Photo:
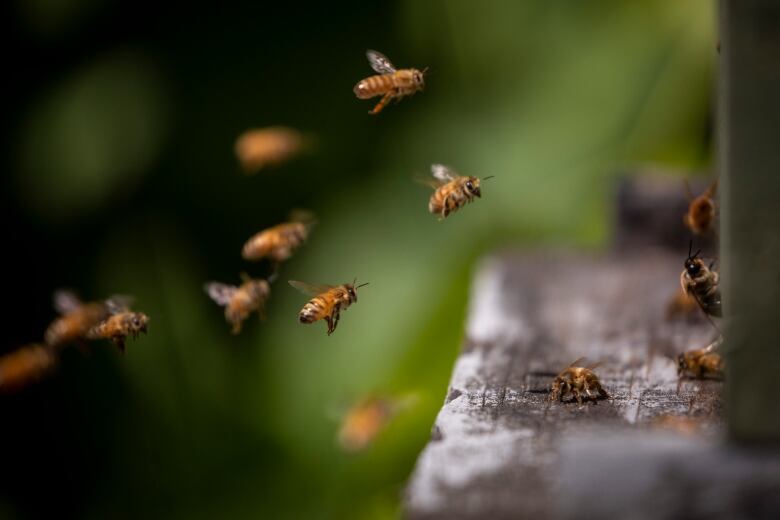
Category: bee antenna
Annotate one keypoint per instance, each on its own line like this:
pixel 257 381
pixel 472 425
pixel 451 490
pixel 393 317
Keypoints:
pixel 362 284
pixel 488 177
pixel 690 248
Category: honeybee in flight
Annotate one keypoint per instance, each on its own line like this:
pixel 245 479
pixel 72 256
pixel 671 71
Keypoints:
pixel 452 191
pixel 278 243
pixel 700 218
pixel 261 147
pixel 363 422
pixel 702 363
pixel 389 83
pixel 120 324
pixel 76 319
pixel 240 301
pixel 328 302
pixel 25 365
pixel 577 381
pixel 701 281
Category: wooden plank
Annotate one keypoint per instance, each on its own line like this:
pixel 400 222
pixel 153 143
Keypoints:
pixel 496 442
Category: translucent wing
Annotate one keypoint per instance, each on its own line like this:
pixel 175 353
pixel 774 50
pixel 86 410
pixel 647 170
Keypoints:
pixel 427 181
pixel 65 301
pixel 220 292
pixel 310 289
pixel 443 173
pixel 117 303
pixel 379 62
pixel 594 365
pixel 577 361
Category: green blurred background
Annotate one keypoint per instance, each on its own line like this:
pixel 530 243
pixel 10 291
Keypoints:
pixel 119 177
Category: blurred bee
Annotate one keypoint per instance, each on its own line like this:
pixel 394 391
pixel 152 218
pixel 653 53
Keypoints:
pixel 240 301
pixel 681 305
pixel 328 302
pixel 25 365
pixel 701 282
pixel 278 243
pixel 122 323
pixel 262 147
pixel 702 363
pixel 389 83
pixel 577 381
pixel 453 191
pixel 76 320
pixel 700 218
pixel 363 422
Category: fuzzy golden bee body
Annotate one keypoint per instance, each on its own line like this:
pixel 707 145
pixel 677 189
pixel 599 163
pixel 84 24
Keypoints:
pixel 700 281
pixel 327 303
pixel 702 363
pixel 452 191
pixel 389 83
pixel 700 218
pixel 577 381
pixel 119 326
pixel 266 147
pixel 277 243
pixel 241 301
pixel 25 365
pixel 75 321
pixel 363 423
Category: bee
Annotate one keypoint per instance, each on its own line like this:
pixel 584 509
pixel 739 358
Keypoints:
pixel 262 147
pixel 278 243
pixel 328 302
pixel 26 365
pixel 120 324
pixel 701 282
pixel 363 422
pixel 452 191
pixel 389 83
pixel 240 301
pixel 577 381
pixel 700 218
pixel 76 319
pixel 702 363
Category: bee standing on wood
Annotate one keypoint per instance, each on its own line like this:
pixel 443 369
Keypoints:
pixel 701 281
pixel 120 324
pixel 240 301
pixel 577 381
pixel 25 365
pixel 700 218
pixel 328 302
pixel 262 147
pixel 702 363
pixel 453 191
pixel 76 320
pixel 389 83
pixel 278 243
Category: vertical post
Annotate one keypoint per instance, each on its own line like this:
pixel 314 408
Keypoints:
pixel 749 156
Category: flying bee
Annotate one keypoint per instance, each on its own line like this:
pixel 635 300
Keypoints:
pixel 577 381
pixel 25 365
pixel 240 301
pixel 120 324
pixel 363 422
pixel 263 147
pixel 328 302
pixel 389 83
pixel 700 281
pixel 76 319
pixel 702 363
pixel 700 218
pixel 452 191
pixel 278 243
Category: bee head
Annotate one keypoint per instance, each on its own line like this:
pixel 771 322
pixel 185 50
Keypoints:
pixel 693 264
pixel 472 186
pixel 352 289
pixel 419 78
pixel 138 322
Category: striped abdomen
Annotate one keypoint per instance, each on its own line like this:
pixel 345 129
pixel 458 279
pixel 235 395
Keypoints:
pixel 317 308
pixel 400 81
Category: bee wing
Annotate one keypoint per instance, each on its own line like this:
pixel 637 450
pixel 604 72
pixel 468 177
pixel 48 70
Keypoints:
pixel 577 361
pixel 65 301
pixel 714 345
pixel 117 303
pixel 379 62
pixel 594 365
pixel 220 292
pixel 427 181
pixel 310 289
pixel 443 173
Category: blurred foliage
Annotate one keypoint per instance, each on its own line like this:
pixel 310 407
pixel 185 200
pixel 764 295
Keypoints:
pixel 554 99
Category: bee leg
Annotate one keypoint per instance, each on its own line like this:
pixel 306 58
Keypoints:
pixel 331 327
pixel 384 101
pixel 120 344
pixel 577 395
pixel 236 327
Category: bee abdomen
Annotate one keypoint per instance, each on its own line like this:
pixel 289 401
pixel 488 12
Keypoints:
pixel 312 311
pixel 373 86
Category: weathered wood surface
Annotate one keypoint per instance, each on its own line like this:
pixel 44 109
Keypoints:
pixel 496 444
